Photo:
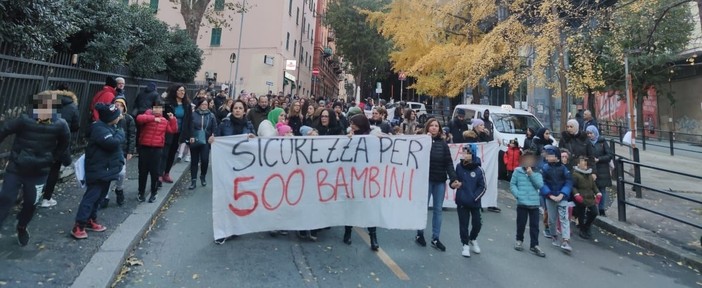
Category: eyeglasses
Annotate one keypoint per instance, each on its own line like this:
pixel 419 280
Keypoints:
pixel 324 116
pixel 181 90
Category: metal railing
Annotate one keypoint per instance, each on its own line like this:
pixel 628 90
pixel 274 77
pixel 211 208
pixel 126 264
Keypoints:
pixel 644 136
pixel 20 78
pixel 638 187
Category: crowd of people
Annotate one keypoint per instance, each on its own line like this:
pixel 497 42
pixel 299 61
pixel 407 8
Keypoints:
pixel 163 129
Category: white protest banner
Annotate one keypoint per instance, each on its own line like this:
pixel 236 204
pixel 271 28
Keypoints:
pixel 488 153
pixel 304 183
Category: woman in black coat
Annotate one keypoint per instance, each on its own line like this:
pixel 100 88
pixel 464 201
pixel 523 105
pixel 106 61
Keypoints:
pixel 578 144
pixel 203 124
pixel 530 134
pixel 603 155
pixel 327 123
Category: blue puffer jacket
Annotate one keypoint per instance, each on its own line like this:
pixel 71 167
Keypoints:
pixel 557 180
pixel 231 125
pixel 526 188
pixel 104 156
pixel 473 185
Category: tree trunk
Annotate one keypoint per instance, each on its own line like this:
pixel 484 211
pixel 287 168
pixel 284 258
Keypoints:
pixel 476 95
pixel 590 105
pixel 699 11
pixel 563 83
pixel 193 11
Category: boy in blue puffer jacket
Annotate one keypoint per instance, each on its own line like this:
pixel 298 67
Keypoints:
pixel 468 194
pixel 525 185
pixel 558 184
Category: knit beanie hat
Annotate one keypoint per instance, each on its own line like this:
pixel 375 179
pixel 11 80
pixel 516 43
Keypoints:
pixel 476 122
pixel 107 112
pixel 109 81
pixel 283 129
pixel 305 130
pixel 353 111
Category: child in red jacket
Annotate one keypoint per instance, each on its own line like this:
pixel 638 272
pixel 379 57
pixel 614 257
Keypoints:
pixel 511 157
pixel 152 137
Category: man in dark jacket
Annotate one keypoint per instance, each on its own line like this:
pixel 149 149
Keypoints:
pixel 343 121
pixel 145 100
pixel 221 98
pixel 488 123
pixel 103 163
pixel 588 120
pixel 457 126
pixel 40 140
pixel 259 113
pixel 69 113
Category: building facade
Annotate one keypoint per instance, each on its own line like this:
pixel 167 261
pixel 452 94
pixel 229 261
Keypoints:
pixel 326 65
pixel 273 32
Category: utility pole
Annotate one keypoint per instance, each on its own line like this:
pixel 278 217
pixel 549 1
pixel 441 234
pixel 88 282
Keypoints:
pixel 238 49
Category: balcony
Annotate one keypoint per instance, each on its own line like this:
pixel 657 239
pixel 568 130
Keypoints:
pixel 327 52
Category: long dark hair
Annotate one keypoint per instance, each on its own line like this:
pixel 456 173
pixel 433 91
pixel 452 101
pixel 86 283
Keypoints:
pixel 362 123
pixel 332 118
pixel 173 94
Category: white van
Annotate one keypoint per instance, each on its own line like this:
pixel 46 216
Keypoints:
pixel 509 123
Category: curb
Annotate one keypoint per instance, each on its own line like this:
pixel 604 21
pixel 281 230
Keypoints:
pixel 107 262
pixel 650 241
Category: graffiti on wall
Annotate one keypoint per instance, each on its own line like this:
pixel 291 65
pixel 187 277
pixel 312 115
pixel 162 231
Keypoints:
pixel 611 106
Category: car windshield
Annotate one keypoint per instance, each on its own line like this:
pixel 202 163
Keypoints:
pixel 514 123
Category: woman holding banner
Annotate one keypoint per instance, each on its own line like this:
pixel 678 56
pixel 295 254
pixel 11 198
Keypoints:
pixel 440 165
pixel 361 126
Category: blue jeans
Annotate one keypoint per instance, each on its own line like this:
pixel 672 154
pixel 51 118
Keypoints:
pixel 602 206
pixel 8 195
pixel 437 192
pixel 95 192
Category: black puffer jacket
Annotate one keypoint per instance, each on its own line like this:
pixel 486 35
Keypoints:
pixel 103 156
pixel 128 125
pixel 69 109
pixel 144 101
pixel 37 145
pixel 440 162
pixel 578 145
pixel 603 154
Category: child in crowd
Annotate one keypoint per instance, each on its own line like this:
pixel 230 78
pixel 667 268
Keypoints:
pixel 127 125
pixel 308 131
pixel 586 196
pixel 511 157
pixel 471 188
pixel 152 139
pixel 557 187
pixel 525 184
pixel 283 129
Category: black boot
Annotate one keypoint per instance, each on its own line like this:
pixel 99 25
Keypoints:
pixel 193 184
pixel 203 181
pixel 141 198
pixel 120 197
pixel 347 235
pixel 374 241
pixel 152 198
pixel 104 203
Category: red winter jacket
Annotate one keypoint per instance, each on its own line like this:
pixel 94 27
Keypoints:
pixel 106 95
pixel 511 158
pixel 153 134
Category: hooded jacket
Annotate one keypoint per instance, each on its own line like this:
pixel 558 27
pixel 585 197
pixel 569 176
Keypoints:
pixel 128 125
pixel 583 185
pixel 152 133
pixel 231 125
pixel 145 100
pixel 456 128
pixel 69 109
pixel 36 145
pixel 201 120
pixel 440 161
pixel 104 157
pixel 511 158
pixel 526 188
pixel 557 180
pixel 473 185
pixel 106 95
pixel 257 115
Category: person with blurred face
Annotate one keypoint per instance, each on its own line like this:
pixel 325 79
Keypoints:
pixel 260 112
pixel 40 139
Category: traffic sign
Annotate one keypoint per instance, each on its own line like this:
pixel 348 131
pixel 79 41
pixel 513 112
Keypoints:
pixel 315 71
pixel 232 58
pixel 291 65
pixel 402 76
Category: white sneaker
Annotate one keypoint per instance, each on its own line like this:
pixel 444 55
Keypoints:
pixel 466 251
pixel 186 158
pixel 474 246
pixel 48 203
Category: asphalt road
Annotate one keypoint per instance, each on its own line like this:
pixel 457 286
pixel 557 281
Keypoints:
pixel 179 252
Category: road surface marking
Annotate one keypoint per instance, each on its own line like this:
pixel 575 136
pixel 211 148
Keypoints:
pixel 384 257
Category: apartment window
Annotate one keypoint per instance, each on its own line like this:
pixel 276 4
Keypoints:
pixel 312 37
pixel 287 42
pixel 306 59
pixel 302 51
pixel 219 5
pixel 295 49
pixel 290 8
pixel 308 30
pixel 153 5
pixel 216 37
pixel 297 16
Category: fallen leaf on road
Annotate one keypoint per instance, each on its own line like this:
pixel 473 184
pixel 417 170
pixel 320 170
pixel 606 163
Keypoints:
pixel 42 246
pixel 195 276
pixel 3 283
pixel 133 261
pixel 649 253
pixel 377 279
pixel 699 283
pixel 639 253
pixel 679 263
pixel 372 274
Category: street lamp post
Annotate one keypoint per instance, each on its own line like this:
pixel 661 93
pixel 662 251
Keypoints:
pixel 630 110
pixel 238 49
pixel 232 59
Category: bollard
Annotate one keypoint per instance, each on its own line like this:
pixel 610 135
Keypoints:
pixel 637 173
pixel 621 133
pixel 621 200
pixel 670 138
pixel 643 138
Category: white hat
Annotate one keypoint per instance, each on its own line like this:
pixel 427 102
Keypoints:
pixel 225 87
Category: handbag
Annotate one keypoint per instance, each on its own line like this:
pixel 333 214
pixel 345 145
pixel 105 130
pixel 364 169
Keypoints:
pixel 199 135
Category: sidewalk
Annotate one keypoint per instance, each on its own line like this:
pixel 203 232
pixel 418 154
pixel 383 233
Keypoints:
pixel 54 259
pixel 657 233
